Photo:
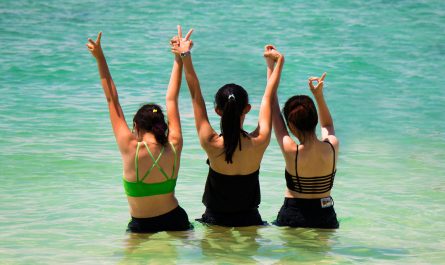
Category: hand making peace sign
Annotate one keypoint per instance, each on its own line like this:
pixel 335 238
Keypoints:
pixel 181 45
pixel 94 46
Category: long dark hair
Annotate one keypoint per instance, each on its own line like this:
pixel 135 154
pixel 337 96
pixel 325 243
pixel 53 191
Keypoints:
pixel 151 119
pixel 300 111
pixel 231 99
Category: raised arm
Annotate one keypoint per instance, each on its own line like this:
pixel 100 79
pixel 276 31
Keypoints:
pixel 205 130
pixel 171 100
pixel 326 122
pixel 280 129
pixel 265 116
pixel 120 128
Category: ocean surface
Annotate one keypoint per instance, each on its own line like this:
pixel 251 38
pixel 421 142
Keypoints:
pixel 61 196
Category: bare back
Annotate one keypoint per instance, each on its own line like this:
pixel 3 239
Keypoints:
pixel 245 161
pixel 314 159
pixel 155 205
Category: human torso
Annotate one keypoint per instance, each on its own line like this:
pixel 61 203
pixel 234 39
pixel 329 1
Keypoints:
pixel 313 178
pixel 155 195
pixel 233 187
pixel 245 161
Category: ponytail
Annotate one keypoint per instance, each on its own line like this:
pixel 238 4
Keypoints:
pixel 230 128
pixel 231 99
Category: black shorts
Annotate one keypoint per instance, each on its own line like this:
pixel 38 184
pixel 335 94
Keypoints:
pixel 314 213
pixel 175 220
pixel 246 218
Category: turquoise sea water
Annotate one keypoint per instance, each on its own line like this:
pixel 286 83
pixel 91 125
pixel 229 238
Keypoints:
pixel 61 199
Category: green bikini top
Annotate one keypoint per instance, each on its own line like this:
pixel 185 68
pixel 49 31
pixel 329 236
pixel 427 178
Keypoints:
pixel 142 189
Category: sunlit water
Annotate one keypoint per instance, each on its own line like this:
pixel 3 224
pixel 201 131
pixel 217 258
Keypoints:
pixel 61 199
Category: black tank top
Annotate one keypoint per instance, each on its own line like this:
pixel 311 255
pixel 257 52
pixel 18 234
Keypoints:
pixel 231 193
pixel 311 185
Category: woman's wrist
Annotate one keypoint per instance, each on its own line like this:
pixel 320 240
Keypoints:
pixel 185 54
pixel 319 96
pixel 178 58
pixel 100 56
pixel 187 57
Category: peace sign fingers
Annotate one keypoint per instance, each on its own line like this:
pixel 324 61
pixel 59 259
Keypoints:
pixel 94 46
pixel 183 45
pixel 179 32
pixel 187 37
pixel 99 35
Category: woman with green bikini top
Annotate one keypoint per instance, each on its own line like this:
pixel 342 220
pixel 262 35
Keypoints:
pixel 150 152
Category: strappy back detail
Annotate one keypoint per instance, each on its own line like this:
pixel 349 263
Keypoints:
pixel 311 185
pixel 155 163
pixel 140 188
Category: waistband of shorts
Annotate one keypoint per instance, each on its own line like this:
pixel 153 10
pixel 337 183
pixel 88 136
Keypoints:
pixel 312 203
pixel 245 212
pixel 154 218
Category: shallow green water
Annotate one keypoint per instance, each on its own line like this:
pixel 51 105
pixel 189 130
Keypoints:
pixel 61 199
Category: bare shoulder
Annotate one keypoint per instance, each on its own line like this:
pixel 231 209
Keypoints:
pixel 259 140
pixel 214 141
pixel 333 140
pixel 289 145
pixel 130 151
pixel 177 143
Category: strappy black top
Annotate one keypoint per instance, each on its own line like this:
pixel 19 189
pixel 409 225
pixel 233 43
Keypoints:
pixel 311 185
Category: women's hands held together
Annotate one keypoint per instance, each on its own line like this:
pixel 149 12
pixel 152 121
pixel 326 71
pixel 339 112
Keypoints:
pixel 271 54
pixel 180 45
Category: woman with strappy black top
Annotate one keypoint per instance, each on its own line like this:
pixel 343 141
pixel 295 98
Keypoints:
pixel 232 191
pixel 310 165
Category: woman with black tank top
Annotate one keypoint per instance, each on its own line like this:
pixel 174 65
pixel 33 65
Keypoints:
pixel 310 165
pixel 232 190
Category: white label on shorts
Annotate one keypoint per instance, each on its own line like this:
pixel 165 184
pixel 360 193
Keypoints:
pixel 326 202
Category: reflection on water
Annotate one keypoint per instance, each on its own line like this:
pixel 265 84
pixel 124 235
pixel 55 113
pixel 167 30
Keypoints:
pixel 303 245
pixel 155 248
pixel 233 245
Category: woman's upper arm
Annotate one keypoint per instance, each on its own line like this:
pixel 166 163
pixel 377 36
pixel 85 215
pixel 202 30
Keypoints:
pixel 174 124
pixel 121 131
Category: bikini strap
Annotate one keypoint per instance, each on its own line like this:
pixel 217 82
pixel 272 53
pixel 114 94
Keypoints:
pixel 136 163
pixel 296 169
pixel 155 162
pixel 175 161
pixel 333 150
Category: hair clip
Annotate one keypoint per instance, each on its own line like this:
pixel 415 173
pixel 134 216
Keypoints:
pixel 155 110
pixel 231 96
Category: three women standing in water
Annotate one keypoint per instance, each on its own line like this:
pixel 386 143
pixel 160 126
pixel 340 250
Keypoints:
pixel 232 191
